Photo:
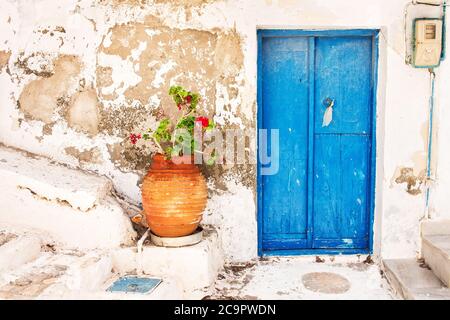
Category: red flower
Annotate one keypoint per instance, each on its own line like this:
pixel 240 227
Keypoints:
pixel 203 120
pixel 135 137
pixel 179 106
pixel 188 99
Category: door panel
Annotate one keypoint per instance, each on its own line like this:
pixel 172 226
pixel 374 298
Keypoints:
pixel 340 191
pixel 297 74
pixel 343 72
pixel 285 102
pixel 341 160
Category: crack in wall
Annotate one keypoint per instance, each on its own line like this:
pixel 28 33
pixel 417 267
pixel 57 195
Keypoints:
pixel 56 200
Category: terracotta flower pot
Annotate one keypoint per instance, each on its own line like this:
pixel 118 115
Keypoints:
pixel 174 197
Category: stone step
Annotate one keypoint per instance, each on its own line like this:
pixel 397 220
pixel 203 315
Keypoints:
pixel 105 226
pixel 53 274
pixel 52 181
pixel 70 206
pixel 166 290
pixel 433 227
pixel 16 251
pixel 436 247
pixel 195 268
pixel 412 280
pixel 71 274
pixel 436 253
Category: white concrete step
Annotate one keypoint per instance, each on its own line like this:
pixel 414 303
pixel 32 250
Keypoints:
pixel 31 271
pixel 71 274
pixel 167 290
pixel 70 206
pixel 52 181
pixel 17 250
pixel 436 247
pixel 436 253
pixel 53 274
pixel 433 227
pixel 412 280
pixel 194 267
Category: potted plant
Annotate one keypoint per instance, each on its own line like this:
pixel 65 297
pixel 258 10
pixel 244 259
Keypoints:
pixel 174 190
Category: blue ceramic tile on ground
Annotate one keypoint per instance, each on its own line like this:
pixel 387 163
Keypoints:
pixel 134 284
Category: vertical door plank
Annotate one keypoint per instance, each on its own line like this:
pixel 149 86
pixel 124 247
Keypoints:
pixel 285 107
pixel 355 168
pixel 343 72
pixel 327 187
pixel 310 201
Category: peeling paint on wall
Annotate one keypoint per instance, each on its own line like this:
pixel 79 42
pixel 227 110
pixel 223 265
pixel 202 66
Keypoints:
pixel 91 155
pixel 184 3
pixel 39 98
pixel 137 62
pixel 4 58
pixel 150 57
pixel 413 182
pixel 83 112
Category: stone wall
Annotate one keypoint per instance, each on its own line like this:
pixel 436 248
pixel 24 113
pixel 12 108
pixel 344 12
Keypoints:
pixel 78 76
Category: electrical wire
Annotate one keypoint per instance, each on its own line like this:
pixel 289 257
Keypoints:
pixel 430 143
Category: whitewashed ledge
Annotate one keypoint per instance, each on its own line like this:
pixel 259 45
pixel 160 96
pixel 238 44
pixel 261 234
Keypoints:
pixel 70 206
pixel 195 268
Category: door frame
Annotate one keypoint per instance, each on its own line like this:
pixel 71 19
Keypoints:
pixel 266 33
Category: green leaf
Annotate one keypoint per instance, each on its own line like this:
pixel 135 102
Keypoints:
pixel 187 123
pixel 179 95
pixel 162 133
pixel 168 152
pixel 195 100
pixel 211 160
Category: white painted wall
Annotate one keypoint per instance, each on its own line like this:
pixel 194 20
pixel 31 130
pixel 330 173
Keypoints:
pixel 402 100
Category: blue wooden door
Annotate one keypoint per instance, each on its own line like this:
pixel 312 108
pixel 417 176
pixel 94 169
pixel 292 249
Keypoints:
pixel 320 200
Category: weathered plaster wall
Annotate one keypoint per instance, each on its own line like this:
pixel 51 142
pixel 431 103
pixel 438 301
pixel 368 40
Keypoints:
pixel 77 76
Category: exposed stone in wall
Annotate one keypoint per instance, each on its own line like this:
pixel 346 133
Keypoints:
pixel 84 156
pixel 145 59
pixel 185 3
pixel 245 172
pixel 104 80
pixel 4 58
pixel 190 3
pixel 137 63
pixel 413 182
pixel 128 157
pixel 38 63
pixel 229 57
pixel 115 152
pixel 414 176
pixel 39 98
pixel 83 112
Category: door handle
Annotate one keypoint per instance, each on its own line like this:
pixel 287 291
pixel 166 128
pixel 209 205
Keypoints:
pixel 328 114
pixel 328 102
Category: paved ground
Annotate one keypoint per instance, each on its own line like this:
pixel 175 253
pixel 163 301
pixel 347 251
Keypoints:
pixel 303 278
